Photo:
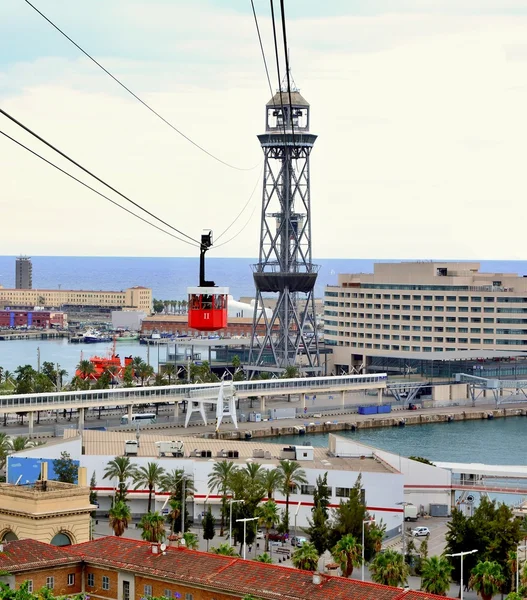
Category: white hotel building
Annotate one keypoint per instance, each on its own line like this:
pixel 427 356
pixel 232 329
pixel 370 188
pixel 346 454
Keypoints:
pixel 424 310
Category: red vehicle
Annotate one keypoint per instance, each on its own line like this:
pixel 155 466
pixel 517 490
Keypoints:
pixel 207 304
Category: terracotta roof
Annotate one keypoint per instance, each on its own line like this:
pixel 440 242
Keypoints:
pixel 24 555
pixel 232 575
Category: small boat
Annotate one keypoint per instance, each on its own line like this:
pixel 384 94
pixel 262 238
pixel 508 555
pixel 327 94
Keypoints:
pixel 93 337
pixel 129 337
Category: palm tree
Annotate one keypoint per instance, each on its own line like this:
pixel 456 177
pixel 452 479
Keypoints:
pixel 219 479
pixel 268 515
pixel 292 475
pixel 435 575
pixel 148 477
pixel 376 535
pixel 173 515
pixel 122 469
pixel 171 482
pixel 272 480
pixel 225 549
pixel 254 471
pixel 145 372
pixel 20 443
pixel 170 371
pixel 153 526
pixel 191 540
pixel 305 557
pixel 120 517
pixel 264 558
pixel 389 568
pixel 348 553
pixel 86 369
pixel 486 578
pixel 5 448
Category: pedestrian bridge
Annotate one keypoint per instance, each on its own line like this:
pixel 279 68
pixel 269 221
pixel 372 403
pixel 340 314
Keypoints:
pixel 175 394
pixel 496 479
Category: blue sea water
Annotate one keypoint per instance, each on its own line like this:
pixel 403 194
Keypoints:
pixel 169 277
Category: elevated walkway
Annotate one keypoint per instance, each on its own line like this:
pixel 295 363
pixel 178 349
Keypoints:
pixel 175 394
pixel 482 478
pixel 507 391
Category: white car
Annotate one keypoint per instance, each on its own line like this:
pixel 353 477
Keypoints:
pixel 421 532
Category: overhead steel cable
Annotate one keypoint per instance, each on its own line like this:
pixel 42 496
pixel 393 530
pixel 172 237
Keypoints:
pixel 71 160
pixel 241 211
pixel 237 234
pixel 278 70
pixel 152 110
pixel 96 191
pixel 262 48
pixel 286 54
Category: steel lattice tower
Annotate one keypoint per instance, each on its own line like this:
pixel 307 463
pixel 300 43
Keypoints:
pixel 288 337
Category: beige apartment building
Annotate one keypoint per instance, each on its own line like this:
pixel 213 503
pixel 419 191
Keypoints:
pixel 137 298
pixel 424 307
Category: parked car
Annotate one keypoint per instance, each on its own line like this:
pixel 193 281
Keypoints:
pixel 277 537
pixel 298 541
pixel 421 532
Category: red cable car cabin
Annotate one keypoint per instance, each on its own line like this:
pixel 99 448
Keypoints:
pixel 207 308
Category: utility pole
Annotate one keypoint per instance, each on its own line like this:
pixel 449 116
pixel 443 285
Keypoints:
pixel 183 502
pixel 38 359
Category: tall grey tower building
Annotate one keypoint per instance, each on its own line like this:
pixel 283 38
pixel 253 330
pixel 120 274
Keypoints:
pixel 285 270
pixel 23 273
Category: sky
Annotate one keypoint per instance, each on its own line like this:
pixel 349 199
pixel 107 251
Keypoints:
pixel 419 108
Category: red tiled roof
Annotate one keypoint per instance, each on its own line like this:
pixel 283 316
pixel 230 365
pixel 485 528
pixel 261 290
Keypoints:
pixel 23 555
pixel 232 575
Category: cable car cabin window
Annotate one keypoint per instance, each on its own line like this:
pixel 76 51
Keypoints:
pixel 219 302
pixel 194 302
pixel 206 302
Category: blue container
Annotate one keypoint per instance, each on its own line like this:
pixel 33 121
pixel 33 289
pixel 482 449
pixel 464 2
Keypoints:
pixel 367 410
pixel 384 408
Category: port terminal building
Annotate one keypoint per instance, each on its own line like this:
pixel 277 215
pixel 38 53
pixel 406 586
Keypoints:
pixel 387 479
pixel 428 318
pixel 137 298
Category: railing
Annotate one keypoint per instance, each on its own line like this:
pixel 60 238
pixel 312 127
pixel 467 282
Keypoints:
pixel 175 393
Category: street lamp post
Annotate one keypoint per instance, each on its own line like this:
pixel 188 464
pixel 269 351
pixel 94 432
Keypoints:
pixel 462 554
pixel 404 504
pixel 518 565
pixel 231 501
pixel 244 521
pixel 364 523
pixel 296 514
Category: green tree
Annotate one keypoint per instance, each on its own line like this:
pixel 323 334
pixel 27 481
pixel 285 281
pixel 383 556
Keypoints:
pixel 225 549
pixel 318 524
pixel 264 558
pixel 220 479
pixel 423 549
pixel 104 381
pixel 153 527
pixel 172 482
pixel 42 384
pixel 25 378
pixel 5 448
pixel 148 477
pixel 158 305
pixel 436 572
pixel 268 516
pixel 348 553
pixel 209 530
pixel 305 557
pixel 120 517
pixel 292 476
pixel 272 480
pixel 145 372
pixel 388 568
pixel 122 469
pixel 191 540
pixel 420 459
pixel 128 376
pixel 86 369
pixel 21 442
pixel 492 530
pixel 290 372
pixel 487 579
pixel 93 492
pixel 65 469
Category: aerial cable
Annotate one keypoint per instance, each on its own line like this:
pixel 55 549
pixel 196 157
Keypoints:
pixel 286 53
pixel 3 112
pixel 262 49
pixel 136 96
pixel 237 234
pixel 242 210
pixel 94 190
pixel 278 70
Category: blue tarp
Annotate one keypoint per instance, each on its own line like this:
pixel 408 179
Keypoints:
pixel 29 469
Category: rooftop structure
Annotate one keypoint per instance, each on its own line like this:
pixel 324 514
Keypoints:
pixel 424 311
pixel 111 565
pixel 47 511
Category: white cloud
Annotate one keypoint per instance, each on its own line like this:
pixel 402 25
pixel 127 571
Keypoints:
pixel 420 121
